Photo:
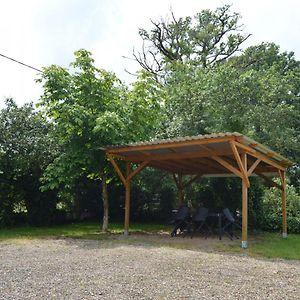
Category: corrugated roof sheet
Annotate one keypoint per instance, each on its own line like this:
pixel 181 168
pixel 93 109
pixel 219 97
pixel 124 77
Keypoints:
pixel 245 140
pixel 173 140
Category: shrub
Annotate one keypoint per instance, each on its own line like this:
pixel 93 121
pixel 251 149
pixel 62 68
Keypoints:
pixel 272 210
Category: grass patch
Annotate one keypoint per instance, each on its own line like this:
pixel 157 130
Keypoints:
pixel 77 230
pixel 270 245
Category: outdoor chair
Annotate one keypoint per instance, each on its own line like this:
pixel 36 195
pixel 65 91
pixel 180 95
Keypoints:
pixel 181 221
pixel 200 222
pixel 230 224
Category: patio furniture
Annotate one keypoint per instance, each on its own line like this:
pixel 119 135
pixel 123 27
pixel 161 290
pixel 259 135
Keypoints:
pixel 216 219
pixel 181 221
pixel 200 222
pixel 230 224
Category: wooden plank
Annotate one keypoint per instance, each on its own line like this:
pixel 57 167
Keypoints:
pixel 281 176
pixel 117 169
pixel 223 162
pixel 283 204
pixel 244 147
pixel 178 156
pixel 177 166
pixel 257 154
pixel 114 155
pixel 244 206
pixel 207 162
pixel 253 167
pixel 137 170
pixel 243 168
pixel 173 144
pixel 157 165
pixel 228 166
pixel 194 166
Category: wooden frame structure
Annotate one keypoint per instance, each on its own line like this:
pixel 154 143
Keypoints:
pixel 214 155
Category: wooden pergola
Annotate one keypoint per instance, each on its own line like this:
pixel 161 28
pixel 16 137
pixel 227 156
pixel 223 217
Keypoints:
pixel 213 155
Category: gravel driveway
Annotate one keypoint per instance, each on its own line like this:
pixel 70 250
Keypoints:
pixel 87 269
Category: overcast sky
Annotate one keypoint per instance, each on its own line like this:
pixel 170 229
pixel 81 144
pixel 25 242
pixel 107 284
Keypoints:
pixel 45 32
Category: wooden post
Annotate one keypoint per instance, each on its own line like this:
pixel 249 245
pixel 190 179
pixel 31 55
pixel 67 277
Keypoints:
pixel 127 200
pixel 244 206
pixel 283 204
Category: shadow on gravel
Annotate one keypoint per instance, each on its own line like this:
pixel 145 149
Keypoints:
pixel 154 240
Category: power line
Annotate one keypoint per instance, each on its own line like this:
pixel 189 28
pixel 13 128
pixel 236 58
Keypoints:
pixel 14 60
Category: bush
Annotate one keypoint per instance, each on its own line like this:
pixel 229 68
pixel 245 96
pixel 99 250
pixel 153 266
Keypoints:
pixel 272 210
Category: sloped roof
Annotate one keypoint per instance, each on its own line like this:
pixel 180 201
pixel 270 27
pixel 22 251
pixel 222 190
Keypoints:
pixel 197 154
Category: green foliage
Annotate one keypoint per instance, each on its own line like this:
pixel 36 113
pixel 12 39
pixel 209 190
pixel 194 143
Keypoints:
pixel 205 40
pixel 90 108
pixel 26 148
pixel 272 209
pixel 85 230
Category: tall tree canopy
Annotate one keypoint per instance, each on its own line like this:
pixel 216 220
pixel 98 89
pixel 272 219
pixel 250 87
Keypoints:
pixel 207 39
pixel 90 108
pixel 26 148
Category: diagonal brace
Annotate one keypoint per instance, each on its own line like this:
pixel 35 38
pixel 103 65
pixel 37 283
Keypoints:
pixel 240 163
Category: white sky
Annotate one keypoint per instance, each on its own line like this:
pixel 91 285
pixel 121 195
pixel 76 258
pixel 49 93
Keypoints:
pixel 45 32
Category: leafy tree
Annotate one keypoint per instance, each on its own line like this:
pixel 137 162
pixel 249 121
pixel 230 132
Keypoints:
pixel 26 148
pixel 90 108
pixel 205 40
pixel 261 102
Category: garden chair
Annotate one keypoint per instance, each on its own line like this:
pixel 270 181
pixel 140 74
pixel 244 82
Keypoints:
pixel 181 221
pixel 230 224
pixel 200 222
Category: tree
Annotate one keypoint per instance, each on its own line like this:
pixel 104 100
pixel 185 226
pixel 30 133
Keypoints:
pixel 258 100
pixel 90 108
pixel 26 148
pixel 205 40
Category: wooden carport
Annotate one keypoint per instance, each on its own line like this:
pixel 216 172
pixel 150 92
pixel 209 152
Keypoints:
pixel 213 155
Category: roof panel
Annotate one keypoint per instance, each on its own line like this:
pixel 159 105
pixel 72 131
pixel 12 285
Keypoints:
pixel 193 148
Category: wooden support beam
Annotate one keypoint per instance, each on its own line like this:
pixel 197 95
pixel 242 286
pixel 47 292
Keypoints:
pixel 254 165
pixel 137 170
pixel 227 165
pixel 243 168
pixel 174 145
pixel 127 200
pixel 210 164
pixel 244 206
pixel 178 155
pixel 257 154
pixel 223 162
pixel 117 169
pixel 283 203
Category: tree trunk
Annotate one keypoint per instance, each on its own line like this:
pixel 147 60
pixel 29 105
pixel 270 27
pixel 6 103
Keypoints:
pixel 105 203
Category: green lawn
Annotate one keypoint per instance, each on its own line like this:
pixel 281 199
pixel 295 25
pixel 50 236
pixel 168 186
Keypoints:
pixel 77 230
pixel 270 245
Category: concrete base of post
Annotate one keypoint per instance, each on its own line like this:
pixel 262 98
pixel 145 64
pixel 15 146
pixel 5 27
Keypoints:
pixel 284 235
pixel 244 244
pixel 126 233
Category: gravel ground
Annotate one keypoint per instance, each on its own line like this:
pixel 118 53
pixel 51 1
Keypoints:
pixel 87 269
